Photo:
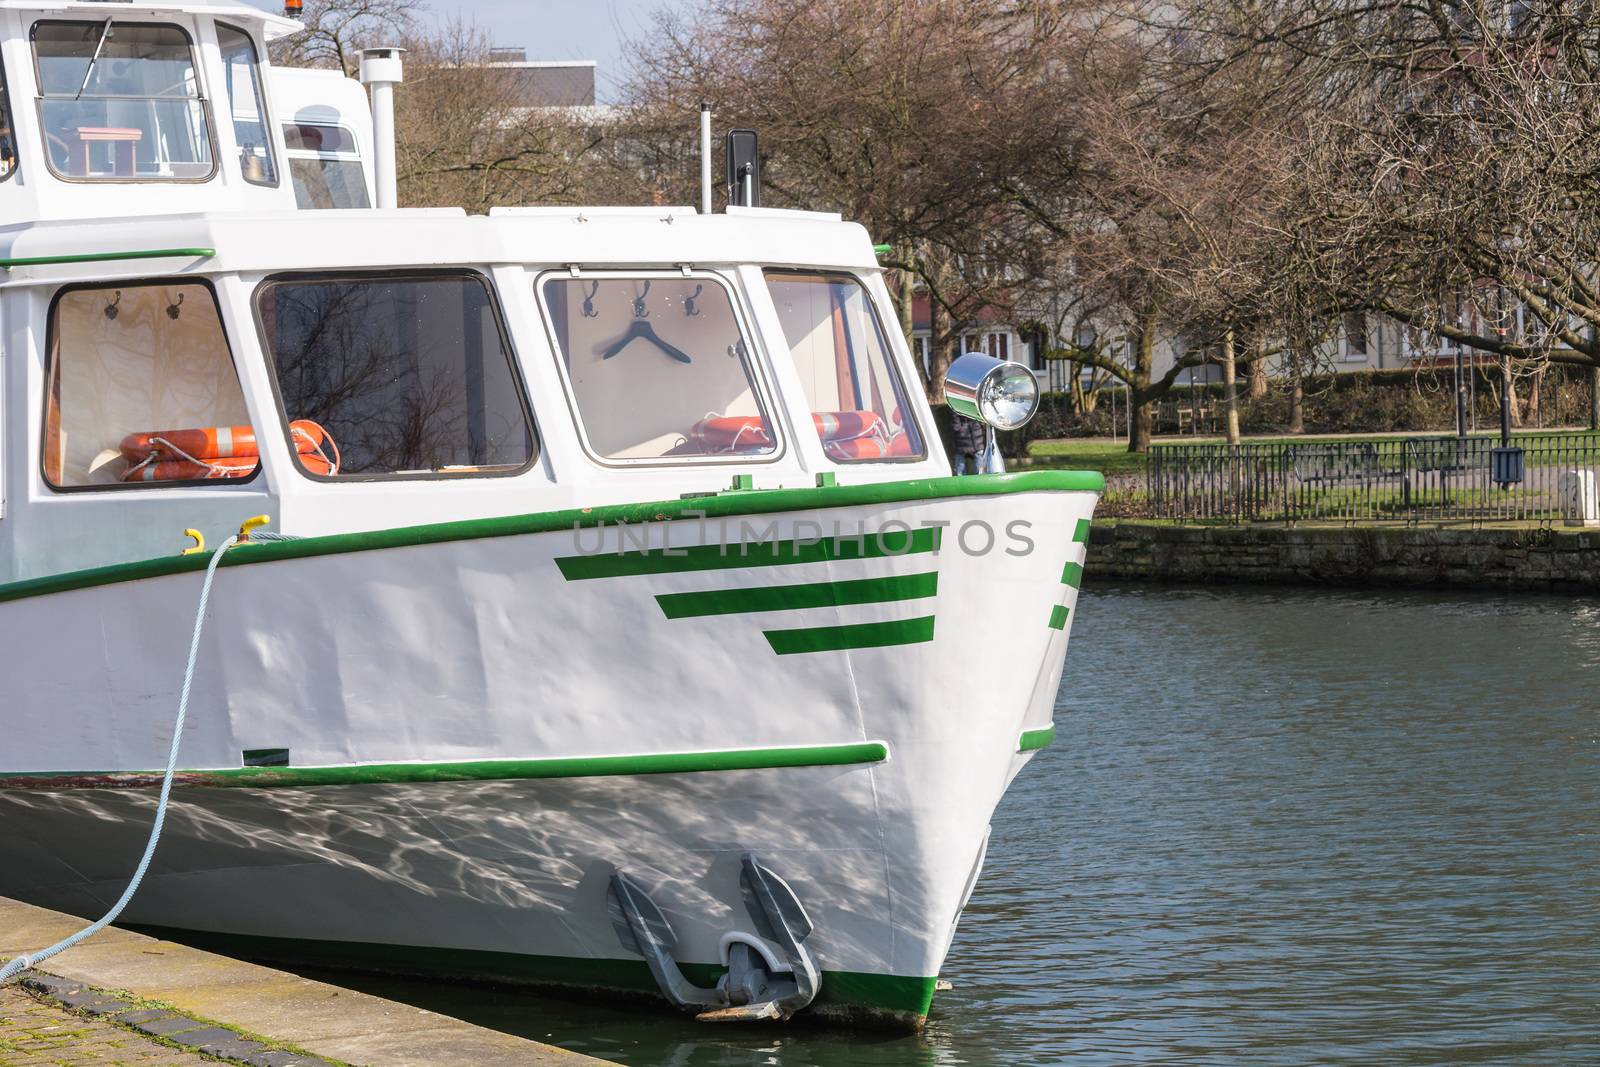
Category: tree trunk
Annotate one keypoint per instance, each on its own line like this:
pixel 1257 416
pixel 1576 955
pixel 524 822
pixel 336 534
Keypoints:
pixel 1258 374
pixel 1510 395
pixel 1230 394
pixel 1594 398
pixel 1297 397
pixel 1140 427
pixel 908 300
pixel 941 350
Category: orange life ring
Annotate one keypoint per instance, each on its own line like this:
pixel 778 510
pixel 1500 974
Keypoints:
pixel 183 470
pixel 214 442
pixel 732 433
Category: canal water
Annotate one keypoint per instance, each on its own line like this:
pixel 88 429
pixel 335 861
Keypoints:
pixel 1276 827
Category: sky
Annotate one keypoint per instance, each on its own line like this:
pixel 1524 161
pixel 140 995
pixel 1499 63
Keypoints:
pixel 555 29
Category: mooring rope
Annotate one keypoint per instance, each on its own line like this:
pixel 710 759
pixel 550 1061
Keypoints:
pixel 21 963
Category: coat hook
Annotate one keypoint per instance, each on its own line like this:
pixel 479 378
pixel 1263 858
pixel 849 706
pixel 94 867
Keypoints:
pixel 111 308
pixel 588 302
pixel 172 308
pixel 688 302
pixel 639 310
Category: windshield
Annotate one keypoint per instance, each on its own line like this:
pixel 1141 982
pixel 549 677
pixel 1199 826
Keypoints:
pixel 121 101
pixel 243 82
pixel 857 401
pixel 658 366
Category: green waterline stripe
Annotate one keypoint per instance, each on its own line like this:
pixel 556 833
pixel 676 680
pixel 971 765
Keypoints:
pixel 854 635
pixel 1029 740
pixel 1080 534
pixel 1072 574
pixel 791 597
pixel 854 994
pixel 728 505
pixel 1058 617
pixel 742 759
pixel 107 257
pixel 896 542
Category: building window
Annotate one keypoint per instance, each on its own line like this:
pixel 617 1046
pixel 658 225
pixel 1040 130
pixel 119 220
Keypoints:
pixel 121 102
pixel 142 389
pixel 395 375
pixel 659 367
pixel 856 398
pixel 1354 340
pixel 242 74
pixel 325 166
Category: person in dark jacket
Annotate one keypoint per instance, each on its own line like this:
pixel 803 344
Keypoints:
pixel 971 439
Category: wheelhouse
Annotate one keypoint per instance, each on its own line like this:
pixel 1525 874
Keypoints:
pixel 343 377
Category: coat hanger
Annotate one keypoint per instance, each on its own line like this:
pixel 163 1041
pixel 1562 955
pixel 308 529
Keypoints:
pixel 639 329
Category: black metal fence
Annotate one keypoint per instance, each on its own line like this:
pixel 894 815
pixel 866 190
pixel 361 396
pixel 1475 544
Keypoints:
pixel 1547 479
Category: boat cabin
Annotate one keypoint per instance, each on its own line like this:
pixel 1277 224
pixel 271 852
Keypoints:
pixel 203 320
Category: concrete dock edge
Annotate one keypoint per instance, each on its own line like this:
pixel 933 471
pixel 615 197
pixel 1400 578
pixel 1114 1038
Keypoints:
pixel 232 1004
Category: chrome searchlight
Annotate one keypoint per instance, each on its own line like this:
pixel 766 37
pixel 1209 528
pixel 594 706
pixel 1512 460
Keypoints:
pixel 1004 395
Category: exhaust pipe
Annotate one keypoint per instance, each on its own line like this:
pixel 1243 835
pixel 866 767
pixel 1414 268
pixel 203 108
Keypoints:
pixel 705 157
pixel 380 72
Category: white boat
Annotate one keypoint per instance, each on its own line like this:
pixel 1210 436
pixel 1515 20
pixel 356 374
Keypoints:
pixel 631 632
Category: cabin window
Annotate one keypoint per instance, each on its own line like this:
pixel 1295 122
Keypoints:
pixel 8 134
pixel 241 73
pixel 858 403
pixel 658 365
pixel 406 375
pixel 121 102
pixel 325 166
pixel 142 389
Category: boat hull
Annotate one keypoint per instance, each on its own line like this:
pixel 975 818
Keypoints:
pixel 478 730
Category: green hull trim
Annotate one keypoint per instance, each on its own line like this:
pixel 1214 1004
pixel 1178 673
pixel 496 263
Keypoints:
pixel 109 257
pixel 1058 617
pixel 754 502
pixel 795 597
pixel 1072 574
pixel 895 1000
pixel 1080 533
pixel 496 770
pixel 1031 740
pixel 852 635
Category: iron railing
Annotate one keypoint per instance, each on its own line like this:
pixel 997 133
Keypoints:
pixel 1546 479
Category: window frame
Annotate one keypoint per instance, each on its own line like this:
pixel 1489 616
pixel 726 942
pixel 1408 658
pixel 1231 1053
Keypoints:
pixel 258 82
pixel 761 384
pixel 513 361
pixel 895 360
pixel 200 95
pixel 52 352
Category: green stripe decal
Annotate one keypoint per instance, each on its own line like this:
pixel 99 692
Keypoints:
pixel 1072 574
pixel 742 759
pixel 789 597
pixel 1080 535
pixel 1058 617
pixel 896 542
pixel 107 257
pixel 727 505
pixel 1036 739
pixel 855 635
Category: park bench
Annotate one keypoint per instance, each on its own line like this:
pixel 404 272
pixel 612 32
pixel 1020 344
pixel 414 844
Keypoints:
pixel 1334 464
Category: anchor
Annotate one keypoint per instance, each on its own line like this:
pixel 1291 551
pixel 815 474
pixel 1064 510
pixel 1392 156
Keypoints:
pixel 757 986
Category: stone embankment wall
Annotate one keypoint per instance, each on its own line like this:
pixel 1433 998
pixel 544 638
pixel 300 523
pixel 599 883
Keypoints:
pixel 1520 558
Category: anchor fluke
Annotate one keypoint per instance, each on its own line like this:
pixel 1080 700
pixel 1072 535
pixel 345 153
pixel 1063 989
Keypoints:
pixel 758 985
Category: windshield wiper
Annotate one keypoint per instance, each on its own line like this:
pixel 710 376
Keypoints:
pixel 105 31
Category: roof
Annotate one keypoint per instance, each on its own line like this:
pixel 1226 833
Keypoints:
pixel 272 26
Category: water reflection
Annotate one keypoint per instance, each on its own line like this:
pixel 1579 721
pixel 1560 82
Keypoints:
pixel 1276 827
